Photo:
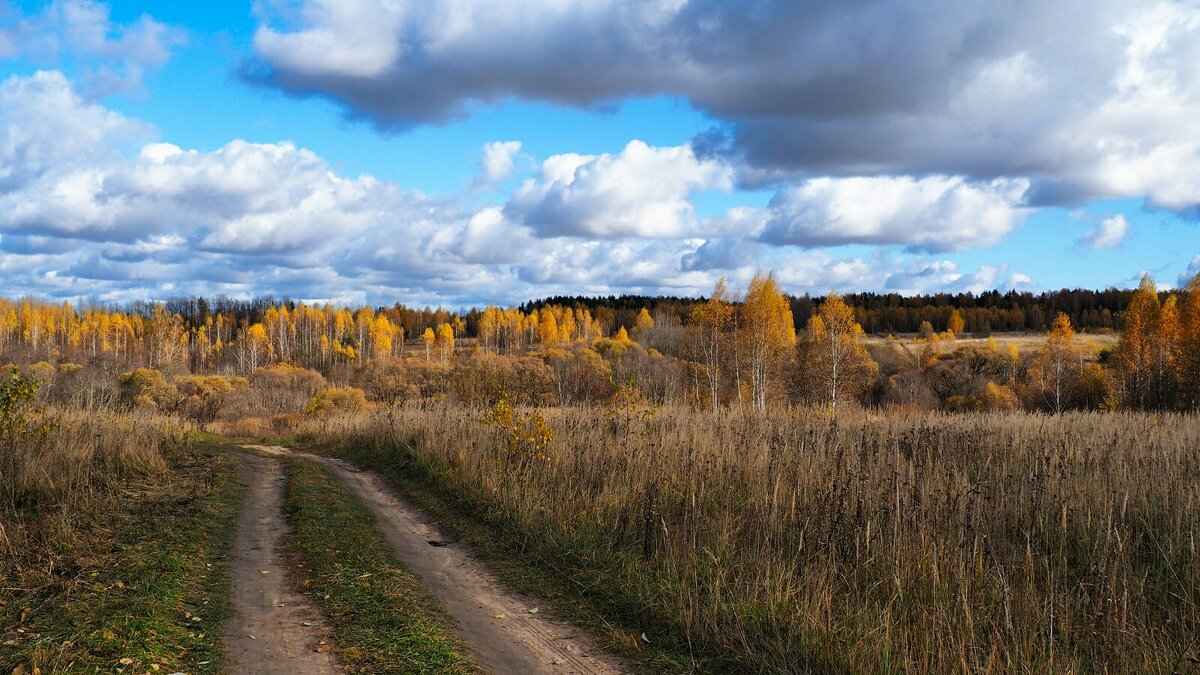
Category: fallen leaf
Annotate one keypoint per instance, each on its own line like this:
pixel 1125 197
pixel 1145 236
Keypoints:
pixel 533 610
pixel 251 637
pixel 264 571
pixel 308 623
pixel 322 647
pixel 500 616
pixel 646 639
pixel 126 661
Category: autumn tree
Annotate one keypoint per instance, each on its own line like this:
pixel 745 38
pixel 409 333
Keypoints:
pixel 382 334
pixel 1053 372
pixel 832 363
pixel 708 326
pixel 548 328
pixel 955 325
pixel 1188 350
pixel 1149 349
pixel 445 342
pixel 643 322
pixel 767 333
pixel 429 338
pixel 255 347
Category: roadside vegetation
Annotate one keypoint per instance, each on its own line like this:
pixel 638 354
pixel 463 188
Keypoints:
pixel 111 529
pixel 1001 542
pixel 715 485
pixel 384 621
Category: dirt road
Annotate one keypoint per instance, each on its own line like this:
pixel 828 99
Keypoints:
pixel 506 632
pixel 275 629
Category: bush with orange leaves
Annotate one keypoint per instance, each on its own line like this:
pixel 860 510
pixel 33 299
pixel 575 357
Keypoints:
pixel 526 437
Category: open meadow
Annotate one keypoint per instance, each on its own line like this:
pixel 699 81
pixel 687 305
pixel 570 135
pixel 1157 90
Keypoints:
pixel 869 543
pixel 599 337
pixel 722 491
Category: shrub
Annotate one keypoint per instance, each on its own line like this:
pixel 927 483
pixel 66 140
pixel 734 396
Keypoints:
pixel 146 388
pixel 203 395
pixel 337 400
pixel 996 397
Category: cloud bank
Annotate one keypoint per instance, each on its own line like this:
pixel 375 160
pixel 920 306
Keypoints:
pixel 114 57
pixel 93 204
pixel 805 89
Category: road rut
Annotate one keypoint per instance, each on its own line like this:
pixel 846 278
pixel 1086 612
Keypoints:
pixel 275 630
pixel 505 631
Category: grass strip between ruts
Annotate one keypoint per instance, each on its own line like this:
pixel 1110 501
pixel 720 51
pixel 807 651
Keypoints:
pixel 384 621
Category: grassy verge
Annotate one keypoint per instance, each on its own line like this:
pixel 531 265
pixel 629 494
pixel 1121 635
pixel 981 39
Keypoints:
pixel 383 619
pixel 135 584
pixel 587 589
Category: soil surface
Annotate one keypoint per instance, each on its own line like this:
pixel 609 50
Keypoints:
pixel 506 631
pixel 274 629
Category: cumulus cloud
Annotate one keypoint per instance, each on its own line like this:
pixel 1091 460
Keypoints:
pixel 1192 270
pixel 114 57
pixel 642 191
pixel 1108 233
pixel 937 213
pixel 499 160
pixel 46 124
pixel 91 204
pixel 982 90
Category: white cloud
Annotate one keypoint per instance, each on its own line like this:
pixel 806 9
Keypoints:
pixel 938 213
pixel 115 57
pixel 1108 233
pixel 499 159
pixel 83 213
pixel 983 90
pixel 643 191
pixel 44 124
pixel 345 37
pixel 1191 272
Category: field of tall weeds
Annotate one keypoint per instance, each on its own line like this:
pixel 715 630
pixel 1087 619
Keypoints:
pixel 58 466
pixel 877 543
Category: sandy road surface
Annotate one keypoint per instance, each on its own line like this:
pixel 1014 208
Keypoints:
pixel 275 629
pixel 506 632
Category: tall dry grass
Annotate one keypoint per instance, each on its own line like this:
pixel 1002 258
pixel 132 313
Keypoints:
pixel 53 476
pixel 83 453
pixel 934 543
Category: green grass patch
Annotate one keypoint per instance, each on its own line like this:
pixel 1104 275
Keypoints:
pixel 587 587
pixel 134 583
pixel 383 619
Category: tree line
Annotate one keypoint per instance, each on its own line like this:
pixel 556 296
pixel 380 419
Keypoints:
pixel 744 347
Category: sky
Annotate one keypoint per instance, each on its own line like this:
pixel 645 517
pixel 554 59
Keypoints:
pixel 467 152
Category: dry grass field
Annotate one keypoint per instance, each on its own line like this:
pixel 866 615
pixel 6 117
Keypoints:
pixel 1026 343
pixel 930 543
pixel 110 527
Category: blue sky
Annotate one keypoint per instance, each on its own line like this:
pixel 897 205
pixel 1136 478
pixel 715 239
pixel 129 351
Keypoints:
pixel 463 152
